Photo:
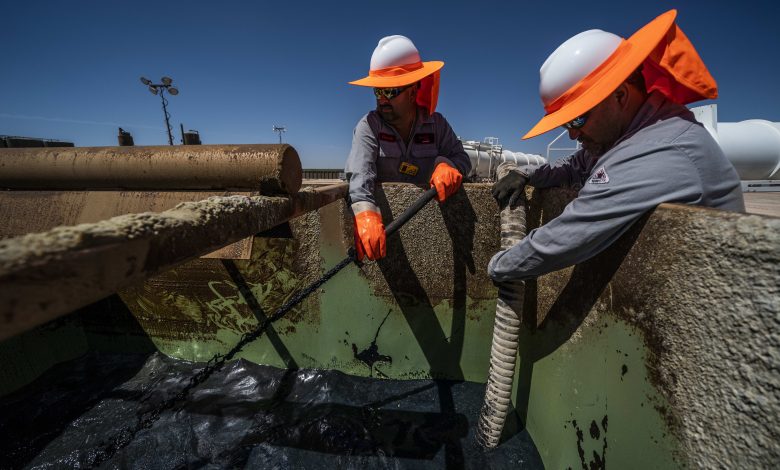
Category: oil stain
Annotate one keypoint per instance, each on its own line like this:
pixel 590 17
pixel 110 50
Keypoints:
pixel 599 461
pixel 370 355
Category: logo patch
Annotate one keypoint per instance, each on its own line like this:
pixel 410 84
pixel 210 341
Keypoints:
pixel 423 138
pixel 386 137
pixel 599 177
pixel 408 169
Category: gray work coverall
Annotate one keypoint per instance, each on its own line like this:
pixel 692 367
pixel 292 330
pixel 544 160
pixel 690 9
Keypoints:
pixel 378 151
pixel 665 156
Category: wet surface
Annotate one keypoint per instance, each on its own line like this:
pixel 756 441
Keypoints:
pixel 247 416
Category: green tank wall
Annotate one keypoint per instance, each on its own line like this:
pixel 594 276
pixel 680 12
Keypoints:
pixel 408 316
pixel 661 351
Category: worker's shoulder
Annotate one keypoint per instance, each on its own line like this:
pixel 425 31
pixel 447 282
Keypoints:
pixel 673 129
pixel 674 136
pixel 666 122
pixel 667 154
pixel 436 121
pixel 436 117
pixel 369 116
pixel 663 146
pixel 369 123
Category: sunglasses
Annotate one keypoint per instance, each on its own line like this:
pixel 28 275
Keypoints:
pixel 389 93
pixel 576 123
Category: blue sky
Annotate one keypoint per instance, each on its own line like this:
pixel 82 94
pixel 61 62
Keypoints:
pixel 70 70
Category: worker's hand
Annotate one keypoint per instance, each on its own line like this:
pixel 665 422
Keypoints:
pixel 508 190
pixel 369 235
pixel 446 179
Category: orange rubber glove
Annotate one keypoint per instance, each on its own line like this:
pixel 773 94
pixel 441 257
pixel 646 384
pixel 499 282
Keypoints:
pixel 369 235
pixel 446 179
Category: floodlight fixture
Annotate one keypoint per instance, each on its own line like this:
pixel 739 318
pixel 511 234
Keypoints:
pixel 155 88
pixel 279 130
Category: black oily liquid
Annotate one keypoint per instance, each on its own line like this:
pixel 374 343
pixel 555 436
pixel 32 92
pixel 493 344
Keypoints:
pixel 247 416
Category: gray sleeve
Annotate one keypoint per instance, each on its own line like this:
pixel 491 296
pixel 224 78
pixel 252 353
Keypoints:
pixel 600 215
pixel 450 148
pixel 360 169
pixel 570 172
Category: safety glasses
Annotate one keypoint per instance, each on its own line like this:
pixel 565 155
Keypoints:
pixel 578 122
pixel 389 93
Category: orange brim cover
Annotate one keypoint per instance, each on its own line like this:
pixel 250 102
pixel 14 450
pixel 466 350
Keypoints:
pixel 399 76
pixel 675 68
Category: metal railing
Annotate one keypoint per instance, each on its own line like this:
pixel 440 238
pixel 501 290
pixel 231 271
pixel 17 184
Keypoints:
pixel 324 174
pixel 568 150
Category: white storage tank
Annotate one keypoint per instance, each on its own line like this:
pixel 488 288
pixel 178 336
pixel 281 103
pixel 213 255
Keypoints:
pixel 752 146
pixel 487 155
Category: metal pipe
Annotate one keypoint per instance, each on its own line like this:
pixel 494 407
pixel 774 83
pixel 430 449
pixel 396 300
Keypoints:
pixel 47 275
pixel 484 160
pixel 268 168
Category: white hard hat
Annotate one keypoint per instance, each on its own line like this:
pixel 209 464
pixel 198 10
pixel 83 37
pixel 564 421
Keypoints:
pixel 394 51
pixel 396 62
pixel 574 60
pixel 586 68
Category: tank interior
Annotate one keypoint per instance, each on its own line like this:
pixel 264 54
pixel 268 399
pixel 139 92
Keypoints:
pixel 661 351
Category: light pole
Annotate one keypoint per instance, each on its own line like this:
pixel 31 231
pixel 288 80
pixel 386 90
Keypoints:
pixel 279 130
pixel 155 88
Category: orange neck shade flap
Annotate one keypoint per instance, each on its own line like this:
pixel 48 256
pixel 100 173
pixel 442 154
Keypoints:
pixel 428 93
pixel 675 69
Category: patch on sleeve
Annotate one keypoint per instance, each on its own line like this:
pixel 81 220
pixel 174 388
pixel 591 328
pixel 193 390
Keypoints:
pixel 599 177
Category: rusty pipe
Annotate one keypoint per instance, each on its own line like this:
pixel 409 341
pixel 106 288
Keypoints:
pixel 46 275
pixel 268 168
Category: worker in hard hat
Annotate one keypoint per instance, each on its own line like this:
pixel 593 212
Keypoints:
pixel 623 100
pixel 402 140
